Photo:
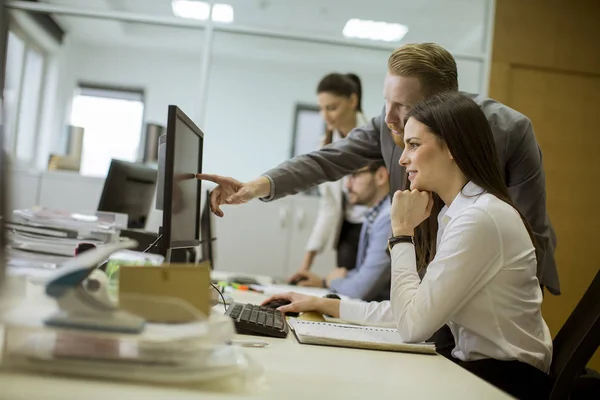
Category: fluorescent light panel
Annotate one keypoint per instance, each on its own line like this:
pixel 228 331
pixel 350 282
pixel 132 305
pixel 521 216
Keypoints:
pixel 199 10
pixel 374 30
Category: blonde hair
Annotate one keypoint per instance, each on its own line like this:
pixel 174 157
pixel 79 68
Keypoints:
pixel 433 65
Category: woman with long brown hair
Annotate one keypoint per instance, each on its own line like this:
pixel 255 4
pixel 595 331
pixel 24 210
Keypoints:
pixel 482 279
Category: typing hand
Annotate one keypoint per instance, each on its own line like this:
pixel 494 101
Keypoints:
pixel 232 191
pixel 306 278
pixel 298 302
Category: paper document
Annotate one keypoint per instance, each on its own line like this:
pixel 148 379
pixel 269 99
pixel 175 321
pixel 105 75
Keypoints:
pixel 355 336
pixel 270 290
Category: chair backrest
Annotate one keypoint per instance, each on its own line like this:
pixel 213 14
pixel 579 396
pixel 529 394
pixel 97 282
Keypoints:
pixel 576 341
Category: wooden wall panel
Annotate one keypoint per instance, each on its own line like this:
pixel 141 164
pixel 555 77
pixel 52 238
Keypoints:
pixel 546 64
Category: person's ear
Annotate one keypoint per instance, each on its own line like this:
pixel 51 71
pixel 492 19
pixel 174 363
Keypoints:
pixel 353 101
pixel 382 175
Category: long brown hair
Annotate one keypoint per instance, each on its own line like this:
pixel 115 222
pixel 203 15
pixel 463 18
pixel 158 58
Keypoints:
pixel 340 85
pixel 461 125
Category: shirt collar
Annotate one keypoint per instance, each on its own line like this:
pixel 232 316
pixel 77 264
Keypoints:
pixel 373 212
pixel 467 196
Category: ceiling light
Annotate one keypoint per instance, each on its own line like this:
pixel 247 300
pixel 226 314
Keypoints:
pixel 222 13
pixel 199 10
pixel 374 30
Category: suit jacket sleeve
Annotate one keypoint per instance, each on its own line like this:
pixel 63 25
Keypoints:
pixel 332 162
pixel 526 182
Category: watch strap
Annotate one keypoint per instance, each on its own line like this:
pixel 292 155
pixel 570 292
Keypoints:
pixel 394 240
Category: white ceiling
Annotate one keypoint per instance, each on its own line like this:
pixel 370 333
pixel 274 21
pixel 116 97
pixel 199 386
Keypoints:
pixel 427 20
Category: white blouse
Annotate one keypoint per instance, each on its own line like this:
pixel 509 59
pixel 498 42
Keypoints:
pixel 482 283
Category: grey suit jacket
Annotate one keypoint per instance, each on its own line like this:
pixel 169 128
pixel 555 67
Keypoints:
pixel 518 151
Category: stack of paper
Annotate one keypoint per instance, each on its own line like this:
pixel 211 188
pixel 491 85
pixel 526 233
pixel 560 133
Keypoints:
pixel 43 238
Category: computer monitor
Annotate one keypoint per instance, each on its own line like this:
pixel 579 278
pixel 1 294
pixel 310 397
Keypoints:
pixel 129 189
pixel 207 234
pixel 181 190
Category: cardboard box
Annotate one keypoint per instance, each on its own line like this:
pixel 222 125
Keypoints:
pixel 170 293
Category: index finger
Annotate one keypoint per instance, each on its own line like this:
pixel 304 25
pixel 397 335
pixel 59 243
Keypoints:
pixel 218 179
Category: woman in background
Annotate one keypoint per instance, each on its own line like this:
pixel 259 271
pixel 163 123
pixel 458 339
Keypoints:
pixel 339 97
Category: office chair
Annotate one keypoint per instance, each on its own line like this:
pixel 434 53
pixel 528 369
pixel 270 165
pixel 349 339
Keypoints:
pixel 576 342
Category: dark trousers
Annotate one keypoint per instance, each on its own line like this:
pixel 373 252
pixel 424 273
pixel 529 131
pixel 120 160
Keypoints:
pixel 516 378
pixel 347 246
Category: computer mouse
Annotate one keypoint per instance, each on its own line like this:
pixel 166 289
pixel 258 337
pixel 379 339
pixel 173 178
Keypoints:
pixel 294 282
pixel 279 303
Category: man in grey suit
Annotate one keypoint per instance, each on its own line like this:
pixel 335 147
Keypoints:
pixel 415 71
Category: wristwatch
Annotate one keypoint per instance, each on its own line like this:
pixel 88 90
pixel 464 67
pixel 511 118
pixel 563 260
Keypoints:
pixel 394 240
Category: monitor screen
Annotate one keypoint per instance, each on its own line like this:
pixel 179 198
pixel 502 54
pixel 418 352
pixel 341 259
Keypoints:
pixel 129 189
pixel 181 195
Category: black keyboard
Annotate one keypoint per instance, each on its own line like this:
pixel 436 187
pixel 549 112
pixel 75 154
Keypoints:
pixel 251 319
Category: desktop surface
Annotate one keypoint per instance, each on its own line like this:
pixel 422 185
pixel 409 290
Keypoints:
pixel 290 370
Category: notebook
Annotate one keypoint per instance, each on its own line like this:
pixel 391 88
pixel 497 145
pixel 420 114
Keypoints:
pixel 355 336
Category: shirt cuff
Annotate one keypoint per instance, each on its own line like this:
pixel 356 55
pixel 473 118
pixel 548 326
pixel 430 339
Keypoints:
pixel 272 193
pixel 334 285
pixel 403 256
pixel 351 310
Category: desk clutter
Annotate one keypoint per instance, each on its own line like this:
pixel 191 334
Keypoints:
pixel 151 333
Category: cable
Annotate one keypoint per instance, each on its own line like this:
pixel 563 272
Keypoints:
pixel 153 243
pixel 220 294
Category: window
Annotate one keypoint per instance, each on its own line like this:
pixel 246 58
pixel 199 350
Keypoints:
pixel 308 131
pixel 23 94
pixel 30 104
pixel 112 120
pixel 15 49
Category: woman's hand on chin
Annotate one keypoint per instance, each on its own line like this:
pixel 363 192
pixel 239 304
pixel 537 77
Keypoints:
pixel 409 209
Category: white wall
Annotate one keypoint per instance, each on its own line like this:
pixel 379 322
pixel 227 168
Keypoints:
pixel 251 96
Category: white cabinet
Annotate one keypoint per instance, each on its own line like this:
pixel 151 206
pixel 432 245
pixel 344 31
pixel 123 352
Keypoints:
pixel 304 211
pixel 268 238
pixel 67 191
pixel 252 238
pixel 23 188
pixel 70 191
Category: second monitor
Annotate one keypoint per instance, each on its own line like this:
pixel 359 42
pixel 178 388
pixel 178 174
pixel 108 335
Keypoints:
pixel 129 189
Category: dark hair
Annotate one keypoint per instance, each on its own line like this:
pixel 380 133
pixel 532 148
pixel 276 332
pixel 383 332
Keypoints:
pixel 341 85
pixel 461 125
pixel 375 165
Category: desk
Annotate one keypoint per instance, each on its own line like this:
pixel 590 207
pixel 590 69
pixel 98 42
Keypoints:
pixel 292 371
